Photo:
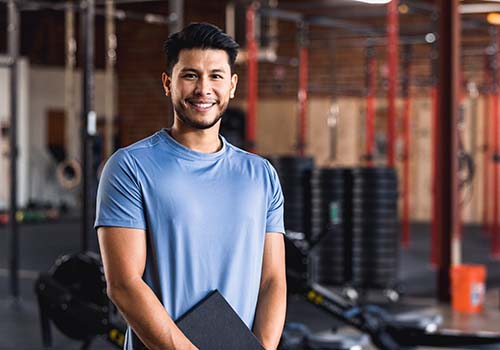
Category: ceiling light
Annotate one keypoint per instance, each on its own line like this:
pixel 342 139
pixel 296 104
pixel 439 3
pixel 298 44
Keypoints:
pixel 403 9
pixel 478 8
pixel 493 18
pixel 374 2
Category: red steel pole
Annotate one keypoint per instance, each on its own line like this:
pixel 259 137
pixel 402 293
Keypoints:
pixel 252 78
pixel 370 105
pixel 434 171
pixel 302 94
pixel 405 239
pixel 393 60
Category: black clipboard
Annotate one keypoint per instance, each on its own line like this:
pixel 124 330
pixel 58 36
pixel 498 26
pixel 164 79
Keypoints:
pixel 212 324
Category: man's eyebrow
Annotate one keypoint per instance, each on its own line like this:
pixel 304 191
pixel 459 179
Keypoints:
pixel 188 69
pixel 191 69
pixel 218 70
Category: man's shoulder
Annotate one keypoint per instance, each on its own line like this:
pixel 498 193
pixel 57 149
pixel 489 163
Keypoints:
pixel 146 144
pixel 132 154
pixel 246 156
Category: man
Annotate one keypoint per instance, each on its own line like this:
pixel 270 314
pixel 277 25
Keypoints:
pixel 183 212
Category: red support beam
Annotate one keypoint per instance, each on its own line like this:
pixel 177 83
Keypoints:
pixel 252 78
pixel 371 82
pixel 405 238
pixel 393 63
pixel 434 256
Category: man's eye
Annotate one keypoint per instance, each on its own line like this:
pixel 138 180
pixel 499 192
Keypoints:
pixel 217 76
pixel 189 76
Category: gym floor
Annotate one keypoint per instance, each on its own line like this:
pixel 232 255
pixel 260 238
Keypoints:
pixel 42 243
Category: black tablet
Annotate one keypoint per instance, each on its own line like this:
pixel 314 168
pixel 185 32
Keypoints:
pixel 212 324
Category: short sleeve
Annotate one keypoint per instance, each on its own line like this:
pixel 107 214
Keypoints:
pixel 274 219
pixel 119 195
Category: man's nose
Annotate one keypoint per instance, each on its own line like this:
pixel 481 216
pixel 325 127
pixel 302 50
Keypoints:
pixel 203 86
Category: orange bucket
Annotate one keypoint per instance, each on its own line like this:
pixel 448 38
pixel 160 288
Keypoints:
pixel 468 288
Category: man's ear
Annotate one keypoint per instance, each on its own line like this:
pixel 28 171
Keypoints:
pixel 165 79
pixel 234 82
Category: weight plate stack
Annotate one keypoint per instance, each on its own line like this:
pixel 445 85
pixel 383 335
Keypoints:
pixel 329 211
pixel 294 174
pixel 375 231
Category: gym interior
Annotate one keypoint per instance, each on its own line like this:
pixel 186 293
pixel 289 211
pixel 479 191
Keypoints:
pixel 381 118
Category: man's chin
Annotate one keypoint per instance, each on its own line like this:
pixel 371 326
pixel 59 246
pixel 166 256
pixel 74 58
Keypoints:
pixel 199 124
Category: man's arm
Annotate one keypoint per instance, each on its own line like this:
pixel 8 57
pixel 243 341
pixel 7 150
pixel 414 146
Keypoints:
pixel 123 253
pixel 271 305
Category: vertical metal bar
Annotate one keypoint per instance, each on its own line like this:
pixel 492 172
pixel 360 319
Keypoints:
pixel 495 155
pixel 495 251
pixel 434 256
pixel 393 61
pixel 13 49
pixel 110 77
pixel 447 177
pixel 405 239
pixel 371 83
pixel 434 249
pixel 302 93
pixel 88 115
pixel 252 78
pixel 486 149
pixel 71 132
pixel 176 7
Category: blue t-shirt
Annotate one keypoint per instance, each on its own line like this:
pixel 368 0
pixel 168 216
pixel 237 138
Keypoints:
pixel 205 217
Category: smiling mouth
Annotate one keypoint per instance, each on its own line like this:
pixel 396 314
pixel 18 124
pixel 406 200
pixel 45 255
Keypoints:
pixel 202 106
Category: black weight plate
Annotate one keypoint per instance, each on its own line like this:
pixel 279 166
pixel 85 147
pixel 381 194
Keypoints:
pixel 296 198
pixel 374 249
pixel 374 217
pixel 329 244
pixel 83 275
pixel 374 179
pixel 373 171
pixel 329 270
pixel 294 179
pixel 360 192
pixel 374 202
pixel 317 183
pixel 373 276
pixel 327 192
pixel 376 232
pixel 374 186
pixel 292 161
pixel 374 237
pixel 369 237
pixel 387 213
pixel 375 264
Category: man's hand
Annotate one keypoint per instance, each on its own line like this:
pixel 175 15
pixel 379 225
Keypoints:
pixel 271 305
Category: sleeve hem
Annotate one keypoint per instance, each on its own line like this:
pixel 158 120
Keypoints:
pixel 119 223
pixel 275 229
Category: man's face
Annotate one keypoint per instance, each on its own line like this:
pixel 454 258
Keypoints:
pixel 200 86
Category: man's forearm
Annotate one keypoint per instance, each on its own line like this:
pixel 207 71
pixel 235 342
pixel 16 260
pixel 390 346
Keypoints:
pixel 148 318
pixel 270 314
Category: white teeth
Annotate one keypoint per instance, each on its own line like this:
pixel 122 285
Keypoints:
pixel 203 105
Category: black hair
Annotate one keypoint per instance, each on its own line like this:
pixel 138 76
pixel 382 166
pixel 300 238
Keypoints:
pixel 199 36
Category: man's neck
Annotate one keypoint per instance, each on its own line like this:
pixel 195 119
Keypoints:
pixel 204 141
